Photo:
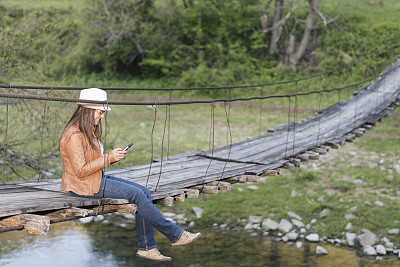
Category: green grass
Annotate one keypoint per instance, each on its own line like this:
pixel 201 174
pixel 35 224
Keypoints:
pixel 320 178
pixel 41 3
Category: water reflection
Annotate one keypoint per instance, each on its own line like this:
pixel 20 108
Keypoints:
pixel 73 244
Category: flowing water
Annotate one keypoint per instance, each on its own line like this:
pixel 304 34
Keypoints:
pixel 72 244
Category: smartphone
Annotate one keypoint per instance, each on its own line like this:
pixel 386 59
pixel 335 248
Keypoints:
pixel 128 146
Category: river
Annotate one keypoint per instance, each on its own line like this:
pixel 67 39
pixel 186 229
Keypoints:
pixel 72 244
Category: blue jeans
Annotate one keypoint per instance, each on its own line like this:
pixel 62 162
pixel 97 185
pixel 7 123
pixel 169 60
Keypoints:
pixel 147 215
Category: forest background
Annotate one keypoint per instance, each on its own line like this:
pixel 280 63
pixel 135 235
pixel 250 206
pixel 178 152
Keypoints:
pixel 193 43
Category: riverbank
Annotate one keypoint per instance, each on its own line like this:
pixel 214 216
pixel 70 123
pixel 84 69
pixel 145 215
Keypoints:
pixel 349 197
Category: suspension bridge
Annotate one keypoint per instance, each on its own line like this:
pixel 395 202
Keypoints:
pixel 34 205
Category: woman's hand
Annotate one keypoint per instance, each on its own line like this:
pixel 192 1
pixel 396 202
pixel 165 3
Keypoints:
pixel 117 154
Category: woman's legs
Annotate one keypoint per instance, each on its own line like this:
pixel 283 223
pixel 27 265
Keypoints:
pixel 147 216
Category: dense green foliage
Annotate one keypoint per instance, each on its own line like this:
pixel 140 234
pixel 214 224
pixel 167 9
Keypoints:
pixel 189 43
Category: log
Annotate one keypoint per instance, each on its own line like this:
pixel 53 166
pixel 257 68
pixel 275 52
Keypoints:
pixel 70 212
pixel 181 197
pixel 114 201
pixel 248 178
pixel 295 161
pixel 34 224
pixel 224 186
pixel 206 189
pixel 313 155
pixel 270 173
pixel 304 157
pixel 289 166
pixel 192 193
pixel 319 150
pixel 121 208
pixel 168 201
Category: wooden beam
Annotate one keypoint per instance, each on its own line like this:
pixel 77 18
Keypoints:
pixel 304 157
pixel 206 189
pixel 289 166
pixel 168 201
pixel 224 186
pixel 270 173
pixel 70 212
pixel 191 193
pixel 121 208
pixel 295 161
pixel 34 224
pixel 181 197
pixel 244 179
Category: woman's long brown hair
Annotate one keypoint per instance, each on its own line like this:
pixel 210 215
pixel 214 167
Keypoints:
pixel 84 119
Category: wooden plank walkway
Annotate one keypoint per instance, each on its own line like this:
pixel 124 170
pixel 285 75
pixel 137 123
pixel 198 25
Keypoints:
pixel 282 146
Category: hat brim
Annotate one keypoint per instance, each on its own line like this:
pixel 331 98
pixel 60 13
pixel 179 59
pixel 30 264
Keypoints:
pixel 95 106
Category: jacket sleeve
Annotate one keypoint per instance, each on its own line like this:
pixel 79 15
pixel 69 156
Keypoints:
pixel 76 156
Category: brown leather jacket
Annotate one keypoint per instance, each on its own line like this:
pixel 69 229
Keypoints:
pixel 82 165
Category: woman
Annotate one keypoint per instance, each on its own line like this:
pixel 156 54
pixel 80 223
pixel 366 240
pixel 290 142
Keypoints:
pixel 83 162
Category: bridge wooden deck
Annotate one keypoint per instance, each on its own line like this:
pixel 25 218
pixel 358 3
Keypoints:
pixel 187 174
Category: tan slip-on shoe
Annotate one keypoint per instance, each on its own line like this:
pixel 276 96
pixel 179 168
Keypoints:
pixel 187 238
pixel 152 254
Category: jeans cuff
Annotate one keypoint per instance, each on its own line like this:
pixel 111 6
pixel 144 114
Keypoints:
pixel 143 249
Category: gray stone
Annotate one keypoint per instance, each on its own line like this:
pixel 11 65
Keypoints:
pixel 292 236
pixel 321 251
pixel 321 199
pixel 297 223
pixel 354 209
pixel 350 217
pixel 312 237
pixel 299 245
pixel 358 182
pixel 198 212
pixel 293 194
pixel 98 218
pixel 86 220
pixel 346 178
pixel 380 249
pixel 372 165
pixel 349 226
pixel 130 216
pixel 294 215
pixel 324 213
pixel 378 203
pixel 367 238
pixel 252 187
pixel 285 226
pixel 351 238
pixel 269 224
pixel 303 231
pixel 249 226
pixel 369 251
pixel 169 214
pixel 393 231
pixel 255 219
pixel 240 189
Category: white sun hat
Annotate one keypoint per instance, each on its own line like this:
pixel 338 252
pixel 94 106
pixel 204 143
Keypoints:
pixel 95 94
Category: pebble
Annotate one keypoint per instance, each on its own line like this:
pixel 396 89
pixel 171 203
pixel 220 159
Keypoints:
pixel 294 215
pixel 299 245
pixel 324 213
pixel 369 251
pixel 394 231
pixel 312 237
pixel 285 226
pixel 321 251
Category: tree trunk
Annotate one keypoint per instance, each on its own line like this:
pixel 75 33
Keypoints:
pixel 276 26
pixel 294 58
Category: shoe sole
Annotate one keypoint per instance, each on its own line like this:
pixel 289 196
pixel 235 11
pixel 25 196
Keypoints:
pixel 194 239
pixel 147 258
